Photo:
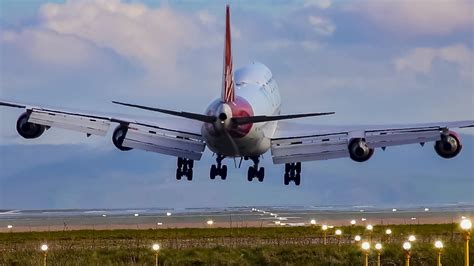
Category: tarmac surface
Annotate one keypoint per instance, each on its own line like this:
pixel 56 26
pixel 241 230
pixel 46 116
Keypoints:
pixel 256 216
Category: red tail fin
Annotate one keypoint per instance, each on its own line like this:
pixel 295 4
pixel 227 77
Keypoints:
pixel 227 75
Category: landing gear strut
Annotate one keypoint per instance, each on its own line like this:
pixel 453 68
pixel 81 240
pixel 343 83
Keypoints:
pixel 292 173
pixel 185 168
pixel 219 169
pixel 254 171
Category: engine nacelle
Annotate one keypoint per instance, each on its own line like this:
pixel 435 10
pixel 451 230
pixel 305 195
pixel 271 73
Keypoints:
pixel 28 130
pixel 119 136
pixel 449 146
pixel 359 150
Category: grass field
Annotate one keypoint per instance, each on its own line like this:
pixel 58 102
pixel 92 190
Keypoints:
pixel 236 246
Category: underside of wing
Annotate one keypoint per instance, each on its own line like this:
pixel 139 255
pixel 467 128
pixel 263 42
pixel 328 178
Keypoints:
pixel 293 142
pixel 170 136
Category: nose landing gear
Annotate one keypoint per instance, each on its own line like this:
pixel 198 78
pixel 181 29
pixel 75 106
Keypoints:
pixel 255 172
pixel 185 168
pixel 292 173
pixel 219 169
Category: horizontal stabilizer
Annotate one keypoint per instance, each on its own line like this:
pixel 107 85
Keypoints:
pixel 264 118
pixel 194 116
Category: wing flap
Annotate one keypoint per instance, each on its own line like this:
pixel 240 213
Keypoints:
pixel 88 125
pixel 383 139
pixel 164 142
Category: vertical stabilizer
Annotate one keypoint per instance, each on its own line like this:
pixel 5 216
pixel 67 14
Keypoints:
pixel 227 75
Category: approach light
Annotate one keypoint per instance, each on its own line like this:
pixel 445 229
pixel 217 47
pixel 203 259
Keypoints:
pixel 378 246
pixel 370 227
pixel 353 222
pixel 324 227
pixel 466 224
pixel 313 221
pixel 136 215
pixel 357 238
pixel 388 231
pixel 44 247
pixel 411 238
pixel 338 232
pixel 168 214
pixel 394 210
pixel 210 222
pixel 427 209
pixel 155 247
pixel 366 246
pixel 363 219
pixel 438 244
pixel 9 226
pixel 407 246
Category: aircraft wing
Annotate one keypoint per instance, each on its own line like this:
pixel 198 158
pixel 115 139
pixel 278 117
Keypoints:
pixel 170 136
pixel 294 142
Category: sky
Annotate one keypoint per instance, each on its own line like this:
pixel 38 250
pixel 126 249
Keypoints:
pixel 372 62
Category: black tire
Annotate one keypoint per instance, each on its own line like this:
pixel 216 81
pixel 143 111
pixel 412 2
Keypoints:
pixel 180 162
pixel 213 172
pixel 287 168
pixel 190 164
pixel 250 174
pixel 178 174
pixel 298 168
pixel 224 172
pixel 297 179
pixel 189 174
pixel 261 174
pixel 286 179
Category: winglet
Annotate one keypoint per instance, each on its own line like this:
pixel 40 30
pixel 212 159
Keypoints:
pixel 227 75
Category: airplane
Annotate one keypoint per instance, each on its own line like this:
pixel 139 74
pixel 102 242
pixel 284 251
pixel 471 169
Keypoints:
pixel 244 122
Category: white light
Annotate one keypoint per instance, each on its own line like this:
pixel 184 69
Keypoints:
pixel 370 227
pixel 9 226
pixel 438 244
pixel 353 222
pixel 324 227
pixel 357 238
pixel 136 214
pixel 427 209
pixel 104 215
pixel 406 246
pixel 168 214
pixel 159 223
pixel 463 217
pixel 44 247
pixel 277 222
pixel 394 210
pixel 210 222
pixel 361 210
pixel 363 219
pixel 388 231
pixel 413 218
pixel 155 247
pixel 466 224
pixel 313 222
pixel 411 238
pixel 331 226
pixel 366 246
pixel 338 232
pixel 378 246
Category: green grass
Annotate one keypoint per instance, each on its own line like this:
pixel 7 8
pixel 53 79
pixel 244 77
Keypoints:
pixel 223 246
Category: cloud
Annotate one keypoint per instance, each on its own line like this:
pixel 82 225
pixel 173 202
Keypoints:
pixel 420 60
pixel 322 26
pixel 419 17
pixel 322 4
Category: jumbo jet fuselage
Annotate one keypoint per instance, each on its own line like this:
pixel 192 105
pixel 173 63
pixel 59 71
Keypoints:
pixel 256 93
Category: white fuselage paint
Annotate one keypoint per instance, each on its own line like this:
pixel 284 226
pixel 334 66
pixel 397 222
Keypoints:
pixel 253 83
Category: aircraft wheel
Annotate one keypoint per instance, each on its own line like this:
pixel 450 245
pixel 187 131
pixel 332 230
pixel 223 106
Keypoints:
pixel 287 167
pixel 213 172
pixel 178 174
pixel 298 168
pixel 250 173
pixel 297 179
pixel 190 164
pixel 286 179
pixel 189 174
pixel 261 174
pixel 180 162
pixel 224 172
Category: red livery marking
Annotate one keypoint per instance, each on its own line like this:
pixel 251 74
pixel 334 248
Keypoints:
pixel 227 79
pixel 241 108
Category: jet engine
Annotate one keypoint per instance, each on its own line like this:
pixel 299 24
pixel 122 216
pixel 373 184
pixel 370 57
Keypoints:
pixel 449 146
pixel 119 136
pixel 359 150
pixel 28 130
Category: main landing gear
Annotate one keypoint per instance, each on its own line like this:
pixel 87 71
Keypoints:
pixel 254 171
pixel 185 168
pixel 292 173
pixel 219 169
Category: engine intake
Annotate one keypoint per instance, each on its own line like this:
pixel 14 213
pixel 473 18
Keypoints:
pixel 28 130
pixel 359 150
pixel 119 136
pixel 449 146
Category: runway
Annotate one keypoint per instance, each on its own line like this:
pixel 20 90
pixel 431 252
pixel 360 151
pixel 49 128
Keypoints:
pixel 248 216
